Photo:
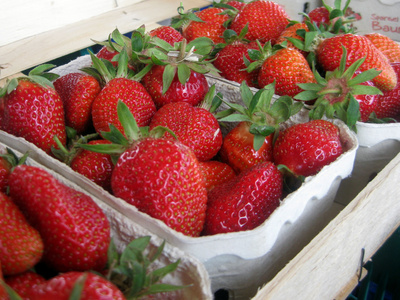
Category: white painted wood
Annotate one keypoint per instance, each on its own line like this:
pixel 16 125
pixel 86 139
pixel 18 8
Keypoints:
pixel 331 261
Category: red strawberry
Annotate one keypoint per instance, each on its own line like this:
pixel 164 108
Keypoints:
pixel 386 45
pixel 210 24
pixel 250 141
pixel 61 287
pixel 319 16
pixel 236 4
pixel 95 166
pixel 167 33
pixel 388 104
pixel 77 91
pixel 305 148
pixel 245 201
pixel 23 282
pixel 191 91
pixel 34 110
pixel 215 172
pixel 230 62
pixel 21 245
pixel 159 176
pixel 291 32
pixel 345 93
pixel 266 20
pixel 287 67
pixel 195 127
pixel 5 169
pixel 238 148
pixel 329 53
pixel 108 54
pixel 75 231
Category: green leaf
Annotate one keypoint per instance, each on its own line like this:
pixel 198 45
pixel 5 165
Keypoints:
pixel 160 273
pixel 13 295
pixel 78 287
pixel 258 141
pixel 183 73
pixel 107 148
pixel 365 90
pixel 235 118
pixel 137 42
pixel 162 287
pixel 364 76
pixel 353 113
pixel 168 76
pixel 39 70
pixel 125 116
pixel 309 86
pixel 306 95
pixel 246 93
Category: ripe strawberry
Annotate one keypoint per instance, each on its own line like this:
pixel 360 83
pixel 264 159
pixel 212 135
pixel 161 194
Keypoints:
pixel 107 53
pixel 388 47
pixel 167 33
pixel 215 172
pixel 291 32
pixel 21 244
pixel 159 176
pixel 208 22
pixel 236 4
pixel 119 86
pixel 319 16
pixel 75 231
pixel 266 20
pixel 287 67
pixel 62 286
pixel 329 53
pixel 33 110
pixel 250 141
pixel 191 91
pixel 5 169
pixel 344 93
pixel 77 91
pixel 305 148
pixel 231 62
pixel 95 166
pixel 195 127
pixel 388 104
pixel 23 282
pixel 245 201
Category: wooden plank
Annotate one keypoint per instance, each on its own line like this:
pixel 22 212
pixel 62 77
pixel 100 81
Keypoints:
pixel 332 259
pixel 34 50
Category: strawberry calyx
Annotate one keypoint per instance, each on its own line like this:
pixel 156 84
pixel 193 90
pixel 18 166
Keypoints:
pixel 262 111
pixel 132 272
pixel 37 75
pixel 334 94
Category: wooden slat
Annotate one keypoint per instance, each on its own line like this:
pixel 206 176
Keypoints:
pixel 327 265
pixel 45 46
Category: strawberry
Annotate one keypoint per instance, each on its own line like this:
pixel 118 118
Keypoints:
pixel 75 231
pixel 119 86
pixel 386 45
pixel 286 66
pixel 21 244
pixel 330 50
pixel 33 110
pixel 231 62
pixel 159 176
pixel 245 201
pixel 208 22
pixel 266 20
pixel 319 16
pixel 23 282
pixel 291 32
pixel 215 172
pixel 388 104
pixel 191 91
pixel 95 166
pixel 344 93
pixel 305 148
pixel 107 53
pixel 167 33
pixel 249 142
pixel 78 91
pixel 5 169
pixel 64 285
pixel 195 127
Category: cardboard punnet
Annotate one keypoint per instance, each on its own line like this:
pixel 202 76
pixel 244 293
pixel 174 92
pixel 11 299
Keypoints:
pixel 238 262
pixel 381 16
pixel 190 270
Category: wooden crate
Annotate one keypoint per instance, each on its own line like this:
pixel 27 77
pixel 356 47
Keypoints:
pixel 329 266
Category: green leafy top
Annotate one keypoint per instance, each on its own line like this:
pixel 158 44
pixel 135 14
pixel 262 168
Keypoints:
pixel 334 93
pixel 261 111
